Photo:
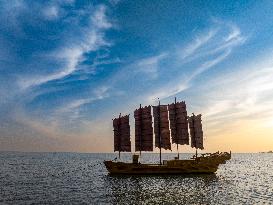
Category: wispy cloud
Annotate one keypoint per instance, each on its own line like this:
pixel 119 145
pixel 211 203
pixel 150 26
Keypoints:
pixel 244 95
pixel 51 12
pixel 150 65
pixel 84 38
pixel 114 2
pixel 207 50
pixel 168 91
pixel 208 64
pixel 73 107
pixel 198 42
pixel 182 84
pixel 73 53
pixel 234 34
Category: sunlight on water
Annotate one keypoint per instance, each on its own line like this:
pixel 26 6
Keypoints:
pixel 27 178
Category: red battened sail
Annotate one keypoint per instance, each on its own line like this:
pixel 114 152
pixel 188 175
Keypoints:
pixel 143 129
pixel 179 123
pixel 122 142
pixel 196 131
pixel 161 127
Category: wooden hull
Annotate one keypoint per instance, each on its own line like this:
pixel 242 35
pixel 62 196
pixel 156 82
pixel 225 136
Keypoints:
pixel 200 165
pixel 129 168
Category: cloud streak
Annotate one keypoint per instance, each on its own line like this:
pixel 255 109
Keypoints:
pixel 198 42
pixel 73 54
pixel 150 65
pixel 241 96
pixel 208 50
pixel 98 94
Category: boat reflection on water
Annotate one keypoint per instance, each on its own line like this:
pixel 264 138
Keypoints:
pixel 171 189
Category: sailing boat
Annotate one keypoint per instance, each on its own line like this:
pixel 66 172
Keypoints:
pixel 170 122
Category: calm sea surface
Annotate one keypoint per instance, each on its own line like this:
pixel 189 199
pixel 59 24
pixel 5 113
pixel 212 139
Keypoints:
pixel 72 178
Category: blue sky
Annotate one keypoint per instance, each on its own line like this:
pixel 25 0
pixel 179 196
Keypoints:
pixel 68 67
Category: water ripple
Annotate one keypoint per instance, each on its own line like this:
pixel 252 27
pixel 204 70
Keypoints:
pixel 71 178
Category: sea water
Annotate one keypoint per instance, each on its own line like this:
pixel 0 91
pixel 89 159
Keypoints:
pixel 74 178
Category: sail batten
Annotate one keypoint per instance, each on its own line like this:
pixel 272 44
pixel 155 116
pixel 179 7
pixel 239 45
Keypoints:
pixel 161 127
pixel 179 123
pixel 122 142
pixel 143 129
pixel 196 131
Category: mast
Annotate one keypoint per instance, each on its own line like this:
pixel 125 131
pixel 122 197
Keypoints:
pixel 140 139
pixel 161 128
pixel 159 135
pixel 119 136
pixel 194 135
pixel 176 127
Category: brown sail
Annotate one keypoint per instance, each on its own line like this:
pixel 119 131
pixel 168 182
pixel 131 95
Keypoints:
pixel 196 131
pixel 143 129
pixel 122 142
pixel 161 127
pixel 179 123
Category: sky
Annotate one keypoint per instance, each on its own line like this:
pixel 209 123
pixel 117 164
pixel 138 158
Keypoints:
pixel 68 67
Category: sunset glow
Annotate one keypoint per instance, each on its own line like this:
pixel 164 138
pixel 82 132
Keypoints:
pixel 67 68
